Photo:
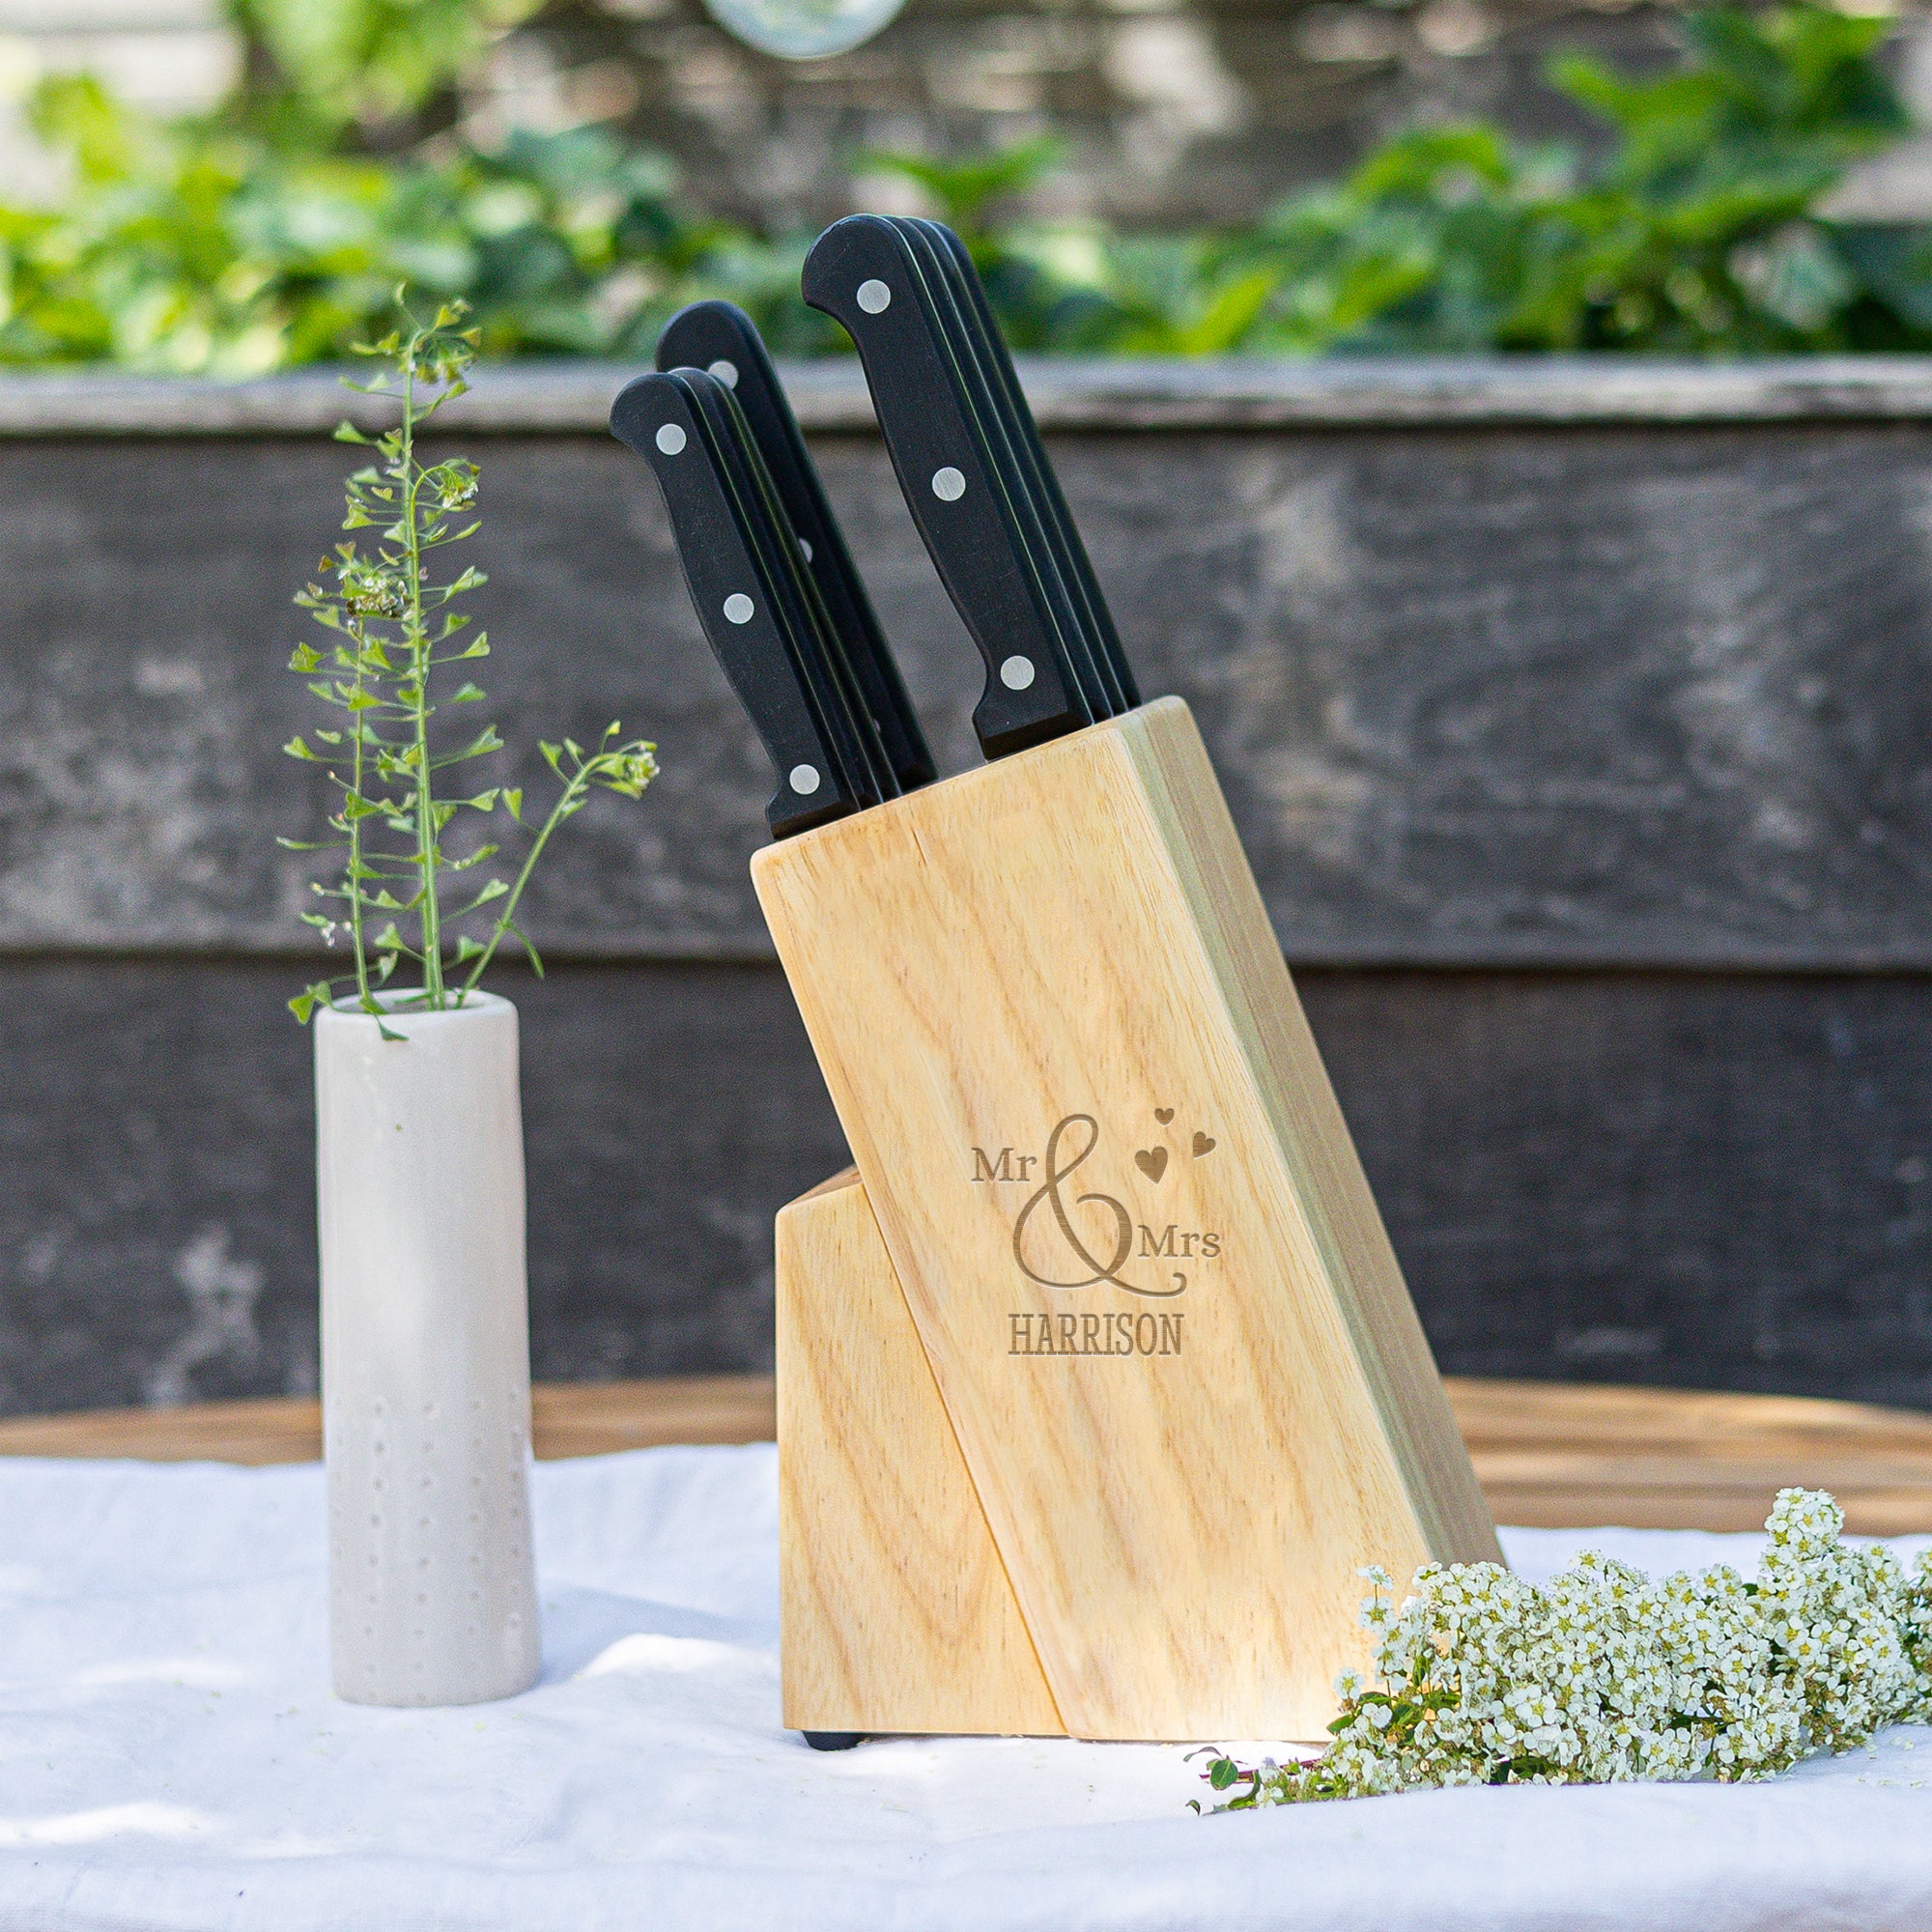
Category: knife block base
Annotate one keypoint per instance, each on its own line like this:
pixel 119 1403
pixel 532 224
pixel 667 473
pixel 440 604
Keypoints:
pixel 1095 1395
pixel 896 1611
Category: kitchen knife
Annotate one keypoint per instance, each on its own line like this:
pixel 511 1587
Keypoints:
pixel 819 651
pixel 656 417
pixel 720 339
pixel 858 273
pixel 1059 519
pixel 933 283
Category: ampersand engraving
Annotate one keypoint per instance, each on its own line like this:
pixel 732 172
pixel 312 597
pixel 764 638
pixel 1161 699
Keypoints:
pixel 1056 1172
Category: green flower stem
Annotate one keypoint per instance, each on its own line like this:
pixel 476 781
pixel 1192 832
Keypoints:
pixel 573 795
pixel 419 651
pixel 353 824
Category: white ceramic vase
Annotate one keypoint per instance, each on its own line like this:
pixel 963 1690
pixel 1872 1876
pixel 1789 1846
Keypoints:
pixel 425 1355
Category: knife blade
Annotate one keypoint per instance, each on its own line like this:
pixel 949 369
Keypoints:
pixel 858 273
pixel 934 283
pixel 722 339
pixel 656 417
pixel 1065 532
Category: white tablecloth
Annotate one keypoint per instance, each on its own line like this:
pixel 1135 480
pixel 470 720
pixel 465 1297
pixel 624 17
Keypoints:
pixel 170 1756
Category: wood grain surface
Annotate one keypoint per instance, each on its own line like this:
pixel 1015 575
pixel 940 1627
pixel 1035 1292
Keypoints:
pixel 1549 1455
pixel 895 1613
pixel 1184 1373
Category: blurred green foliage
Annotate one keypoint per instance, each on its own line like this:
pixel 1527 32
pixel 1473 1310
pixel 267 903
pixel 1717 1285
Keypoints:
pixel 273 231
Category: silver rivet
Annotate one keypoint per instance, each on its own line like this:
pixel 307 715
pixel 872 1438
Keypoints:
pixel 948 485
pixel 875 297
pixel 671 438
pixel 738 608
pixel 725 372
pixel 804 550
pixel 1016 673
pixel 804 779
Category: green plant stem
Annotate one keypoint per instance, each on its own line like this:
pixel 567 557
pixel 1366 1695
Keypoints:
pixel 426 833
pixel 354 825
pixel 573 792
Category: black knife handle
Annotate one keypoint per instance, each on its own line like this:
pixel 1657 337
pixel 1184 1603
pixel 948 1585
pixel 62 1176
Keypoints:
pixel 719 337
pixel 1075 563
pixel 817 654
pixel 943 472
pixel 655 418
pixel 934 280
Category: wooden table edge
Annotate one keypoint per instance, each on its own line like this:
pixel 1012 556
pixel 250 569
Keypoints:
pixel 1548 1454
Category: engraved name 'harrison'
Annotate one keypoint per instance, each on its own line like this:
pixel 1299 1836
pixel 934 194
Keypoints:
pixel 1143 1334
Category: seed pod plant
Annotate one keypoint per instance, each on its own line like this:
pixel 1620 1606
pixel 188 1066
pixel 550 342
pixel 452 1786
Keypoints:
pixel 406 885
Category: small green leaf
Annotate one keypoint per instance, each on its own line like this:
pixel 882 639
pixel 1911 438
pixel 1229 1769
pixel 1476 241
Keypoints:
pixel 523 939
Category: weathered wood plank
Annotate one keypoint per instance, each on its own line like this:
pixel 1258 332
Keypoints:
pixel 1114 393
pixel 1626 696
pixel 157 1224
pixel 1676 1179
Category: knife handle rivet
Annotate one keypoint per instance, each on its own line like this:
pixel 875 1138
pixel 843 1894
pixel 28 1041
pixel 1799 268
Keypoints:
pixel 1017 672
pixel 804 779
pixel 738 608
pixel 671 438
pixel 875 297
pixel 725 372
pixel 948 485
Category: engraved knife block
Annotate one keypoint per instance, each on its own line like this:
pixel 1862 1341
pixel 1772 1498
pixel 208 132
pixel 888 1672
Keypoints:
pixel 1097 1380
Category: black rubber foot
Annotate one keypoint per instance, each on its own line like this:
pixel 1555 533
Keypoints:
pixel 831 1740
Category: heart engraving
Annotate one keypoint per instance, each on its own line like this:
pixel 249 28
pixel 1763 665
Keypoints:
pixel 1163 1115
pixel 1204 1144
pixel 1151 1162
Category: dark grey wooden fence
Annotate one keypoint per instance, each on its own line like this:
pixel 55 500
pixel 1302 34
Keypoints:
pixel 1575 717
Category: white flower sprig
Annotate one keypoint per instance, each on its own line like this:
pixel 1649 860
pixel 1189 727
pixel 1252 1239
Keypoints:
pixel 1604 1675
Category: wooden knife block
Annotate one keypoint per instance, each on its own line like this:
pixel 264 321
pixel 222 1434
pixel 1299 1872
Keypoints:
pixel 1097 1380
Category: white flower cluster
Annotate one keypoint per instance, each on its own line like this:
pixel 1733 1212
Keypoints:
pixel 1604 1675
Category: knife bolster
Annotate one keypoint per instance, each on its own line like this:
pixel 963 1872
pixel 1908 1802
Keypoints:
pixel 1096 1396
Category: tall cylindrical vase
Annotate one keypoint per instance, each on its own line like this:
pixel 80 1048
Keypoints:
pixel 425 1355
